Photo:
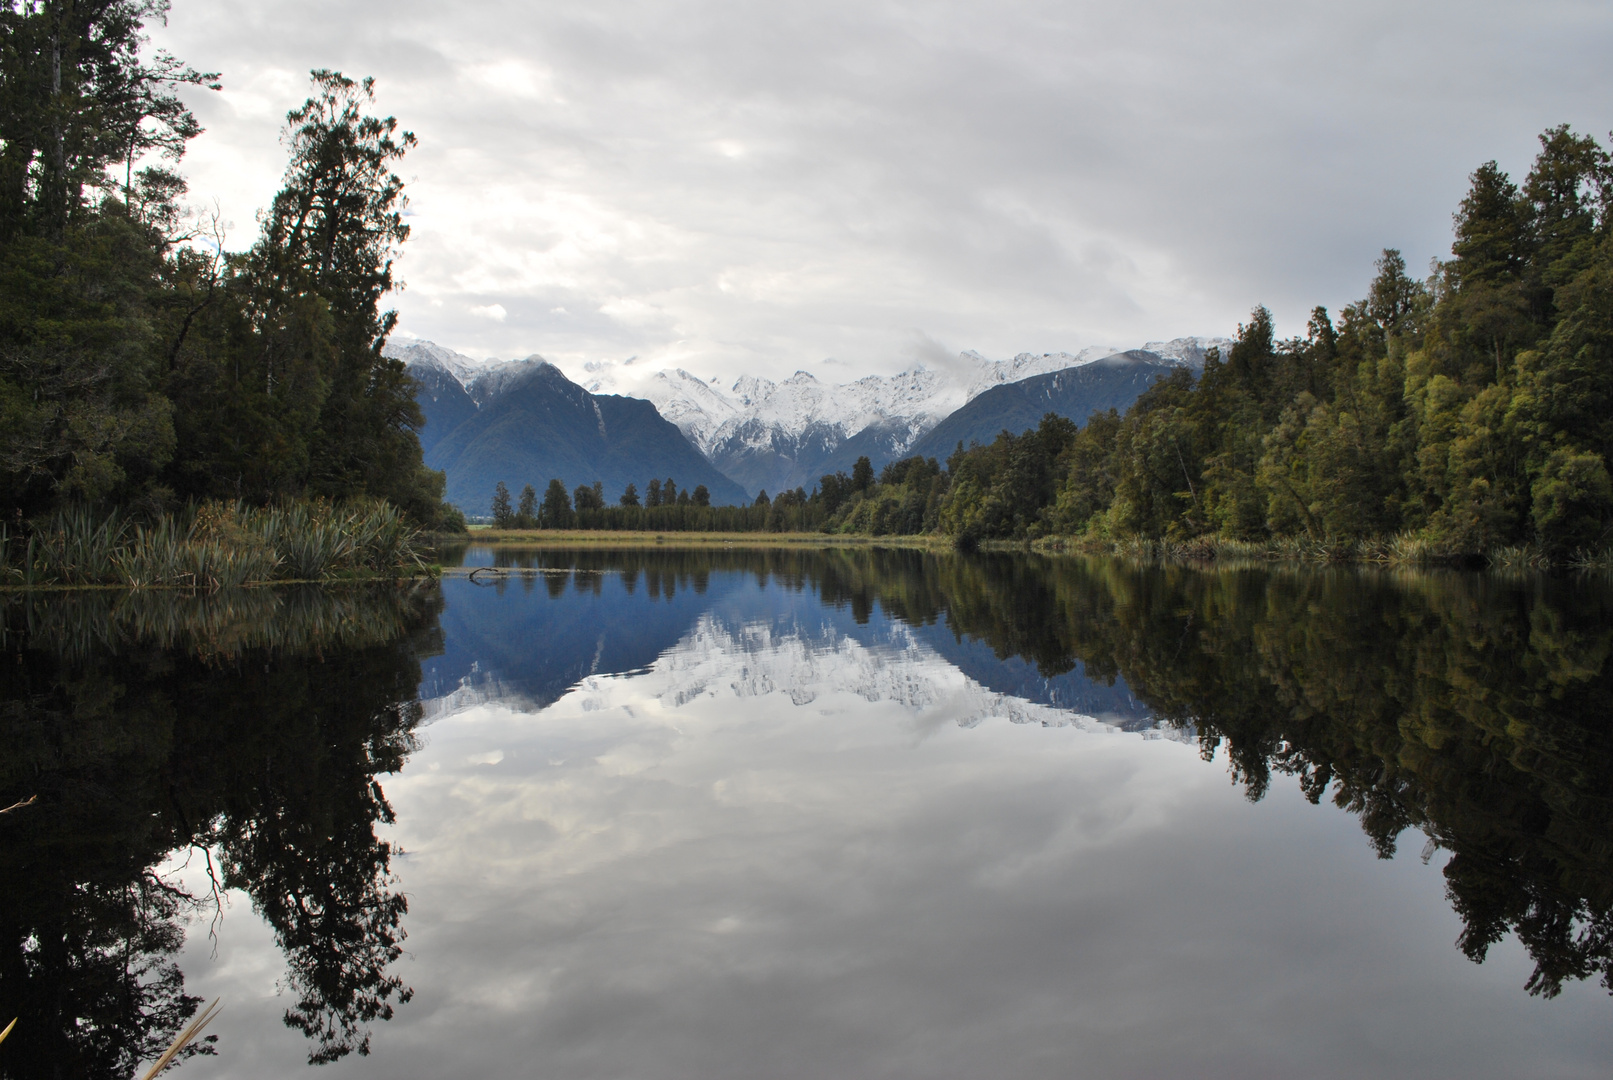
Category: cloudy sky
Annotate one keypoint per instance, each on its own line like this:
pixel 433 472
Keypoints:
pixel 848 187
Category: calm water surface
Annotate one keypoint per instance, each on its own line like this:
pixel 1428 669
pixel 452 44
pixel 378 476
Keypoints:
pixel 815 814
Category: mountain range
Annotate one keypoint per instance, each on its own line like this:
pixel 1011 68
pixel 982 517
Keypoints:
pixel 775 435
pixel 524 421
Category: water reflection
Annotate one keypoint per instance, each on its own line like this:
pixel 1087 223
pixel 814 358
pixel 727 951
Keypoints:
pixel 752 812
pixel 1472 708
pixel 251 726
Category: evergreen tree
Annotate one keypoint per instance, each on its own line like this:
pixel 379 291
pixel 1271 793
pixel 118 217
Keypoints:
pixel 82 416
pixel 630 496
pixel 862 475
pixel 526 513
pixel 556 510
pixel 652 494
pixel 503 518
pixel 702 495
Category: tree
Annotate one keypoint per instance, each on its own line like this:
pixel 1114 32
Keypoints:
pixel 862 474
pixel 630 496
pixel 80 105
pixel 526 514
pixel 323 263
pixel 589 496
pixel 1491 243
pixel 652 494
pixel 702 496
pixel 82 416
pixel 669 492
pixel 762 499
pixel 503 518
pixel 556 511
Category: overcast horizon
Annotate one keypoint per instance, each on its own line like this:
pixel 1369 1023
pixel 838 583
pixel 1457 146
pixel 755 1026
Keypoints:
pixel 850 188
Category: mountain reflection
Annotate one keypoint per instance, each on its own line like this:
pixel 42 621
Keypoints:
pixel 1472 708
pixel 251 726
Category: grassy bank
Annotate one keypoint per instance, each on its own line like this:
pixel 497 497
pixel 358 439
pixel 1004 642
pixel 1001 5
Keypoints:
pixel 213 546
pixel 1401 550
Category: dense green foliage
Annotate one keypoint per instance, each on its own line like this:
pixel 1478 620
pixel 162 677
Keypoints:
pixel 665 508
pixel 141 363
pixel 1473 410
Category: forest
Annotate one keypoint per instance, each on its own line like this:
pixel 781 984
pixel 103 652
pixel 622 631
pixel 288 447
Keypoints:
pixel 1466 414
pixel 146 369
pixel 1469 413
pixel 144 365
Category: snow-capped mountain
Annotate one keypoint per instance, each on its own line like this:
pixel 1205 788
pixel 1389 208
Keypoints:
pixel 774 435
pixel 808 665
pixel 779 435
pixel 429 354
pixel 523 422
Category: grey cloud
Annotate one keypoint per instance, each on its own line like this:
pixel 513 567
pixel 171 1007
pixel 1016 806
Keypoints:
pixel 746 187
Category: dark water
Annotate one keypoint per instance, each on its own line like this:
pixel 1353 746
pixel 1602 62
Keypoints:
pixel 849 813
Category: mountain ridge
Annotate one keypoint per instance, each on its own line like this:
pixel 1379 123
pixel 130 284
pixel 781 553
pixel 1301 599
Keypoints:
pixel 774 435
pixel 523 422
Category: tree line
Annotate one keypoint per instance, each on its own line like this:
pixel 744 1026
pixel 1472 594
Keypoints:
pixel 663 506
pixel 143 363
pixel 1463 413
pixel 1466 413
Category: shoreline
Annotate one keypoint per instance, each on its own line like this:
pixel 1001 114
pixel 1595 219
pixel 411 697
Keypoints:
pixel 585 538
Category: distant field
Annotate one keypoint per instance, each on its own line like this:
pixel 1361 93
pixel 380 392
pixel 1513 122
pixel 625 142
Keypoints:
pixel 483 534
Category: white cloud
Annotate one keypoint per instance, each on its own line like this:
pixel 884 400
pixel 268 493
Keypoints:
pixel 495 312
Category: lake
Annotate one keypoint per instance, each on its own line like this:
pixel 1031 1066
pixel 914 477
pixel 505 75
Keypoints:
pixel 815 813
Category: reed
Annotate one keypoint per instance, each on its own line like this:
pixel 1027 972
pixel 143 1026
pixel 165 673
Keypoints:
pixel 182 1040
pixel 216 545
pixel 1598 561
pixel 1524 557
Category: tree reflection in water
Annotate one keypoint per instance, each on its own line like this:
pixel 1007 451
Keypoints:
pixel 251 725
pixel 1475 708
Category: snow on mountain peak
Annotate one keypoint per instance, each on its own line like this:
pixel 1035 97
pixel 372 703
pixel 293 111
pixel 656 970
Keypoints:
pixel 464 369
pixel 765 415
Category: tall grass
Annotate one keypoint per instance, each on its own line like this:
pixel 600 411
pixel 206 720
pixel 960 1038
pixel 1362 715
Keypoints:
pixel 1526 557
pixel 214 545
